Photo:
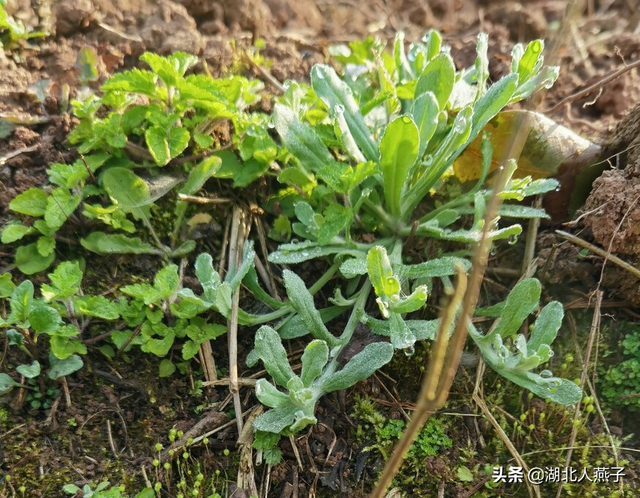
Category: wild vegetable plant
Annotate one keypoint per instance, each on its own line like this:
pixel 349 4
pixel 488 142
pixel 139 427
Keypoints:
pixel 13 32
pixel 370 155
pixel 151 135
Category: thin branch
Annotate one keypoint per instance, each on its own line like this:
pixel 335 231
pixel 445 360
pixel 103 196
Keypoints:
pixel 591 88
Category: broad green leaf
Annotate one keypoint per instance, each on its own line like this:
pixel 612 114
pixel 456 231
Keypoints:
pixel 314 358
pixel 300 139
pixel 425 115
pixel 159 347
pixel 29 260
pixel 7 383
pixel 29 371
pixel 62 368
pixel 294 327
pixel 156 138
pixel 33 202
pixel 521 302
pixel 102 243
pixel 294 253
pixel 166 368
pixel 558 390
pixel 269 396
pixel 398 153
pixel 334 92
pixel 353 267
pixel 183 249
pixel 438 77
pixel 530 61
pixel 360 367
pixel 64 347
pixel 60 205
pixel 14 231
pixel 270 350
pixel 411 303
pixel 441 267
pixel 65 281
pixel 235 275
pixel 45 319
pixel 21 302
pixel 6 285
pixel 491 103
pixel 276 419
pixel 546 327
pixel 399 332
pixel 199 175
pixel 127 188
pixel 302 301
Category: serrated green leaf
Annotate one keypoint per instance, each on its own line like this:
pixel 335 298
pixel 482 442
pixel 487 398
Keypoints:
pixel 166 281
pixel 33 202
pixel 29 260
pixel 269 348
pixel 143 292
pixel 65 281
pixel 302 301
pixel 360 367
pixel 14 231
pixel 102 243
pixel 133 81
pixel 398 153
pixel 190 349
pixel 98 306
pixel 45 319
pixel 46 245
pixel 314 358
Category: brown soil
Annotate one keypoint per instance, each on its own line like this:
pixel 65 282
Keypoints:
pixel 68 443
